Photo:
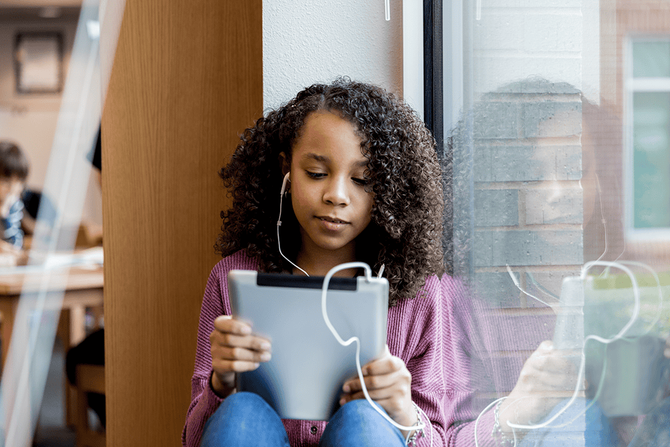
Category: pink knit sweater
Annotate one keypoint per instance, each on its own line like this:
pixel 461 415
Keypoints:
pixel 428 333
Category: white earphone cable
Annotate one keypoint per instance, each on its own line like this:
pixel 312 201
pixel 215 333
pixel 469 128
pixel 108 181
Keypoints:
pixel 324 292
pixel 368 275
pixel 622 332
pixel 606 341
pixel 281 204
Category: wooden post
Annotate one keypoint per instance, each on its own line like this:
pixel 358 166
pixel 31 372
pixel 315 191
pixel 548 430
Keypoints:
pixel 186 81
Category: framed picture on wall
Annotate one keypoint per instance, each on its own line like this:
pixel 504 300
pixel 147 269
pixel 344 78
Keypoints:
pixel 38 62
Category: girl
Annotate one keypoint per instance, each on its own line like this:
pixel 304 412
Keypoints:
pixel 365 185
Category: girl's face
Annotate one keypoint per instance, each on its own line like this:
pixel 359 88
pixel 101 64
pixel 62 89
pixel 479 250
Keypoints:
pixel 328 187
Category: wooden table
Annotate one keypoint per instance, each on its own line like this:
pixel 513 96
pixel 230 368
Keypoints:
pixel 82 287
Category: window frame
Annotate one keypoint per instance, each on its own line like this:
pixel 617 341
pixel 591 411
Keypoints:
pixel 632 85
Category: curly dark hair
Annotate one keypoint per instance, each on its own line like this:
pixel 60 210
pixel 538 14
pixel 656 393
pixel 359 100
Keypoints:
pixel 403 173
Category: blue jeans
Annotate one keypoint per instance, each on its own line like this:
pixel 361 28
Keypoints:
pixel 574 427
pixel 598 431
pixel 245 419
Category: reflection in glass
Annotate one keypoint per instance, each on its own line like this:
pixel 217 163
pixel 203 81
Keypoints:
pixel 561 169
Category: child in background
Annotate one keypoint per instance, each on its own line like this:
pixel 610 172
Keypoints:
pixel 365 185
pixel 13 173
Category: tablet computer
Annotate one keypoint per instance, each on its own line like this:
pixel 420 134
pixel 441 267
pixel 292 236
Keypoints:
pixel 304 378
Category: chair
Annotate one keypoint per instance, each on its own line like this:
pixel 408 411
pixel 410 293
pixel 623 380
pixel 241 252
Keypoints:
pixel 90 379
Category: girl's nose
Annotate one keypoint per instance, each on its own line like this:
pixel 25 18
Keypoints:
pixel 336 192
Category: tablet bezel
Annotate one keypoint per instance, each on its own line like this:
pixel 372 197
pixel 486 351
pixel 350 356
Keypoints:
pixel 304 380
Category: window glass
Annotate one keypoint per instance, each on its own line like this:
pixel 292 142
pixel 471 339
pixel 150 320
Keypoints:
pixel 651 59
pixel 651 165
pixel 559 185
pixel 647 144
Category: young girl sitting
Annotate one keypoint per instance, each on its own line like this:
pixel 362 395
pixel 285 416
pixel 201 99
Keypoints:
pixel 365 185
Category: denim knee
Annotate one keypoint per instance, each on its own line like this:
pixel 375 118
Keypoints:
pixel 358 423
pixel 244 419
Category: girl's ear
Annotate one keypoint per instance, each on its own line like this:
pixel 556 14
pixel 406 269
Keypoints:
pixel 285 163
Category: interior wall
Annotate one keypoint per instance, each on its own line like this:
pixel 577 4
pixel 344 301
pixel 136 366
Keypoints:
pixel 22 114
pixel 305 42
pixel 30 119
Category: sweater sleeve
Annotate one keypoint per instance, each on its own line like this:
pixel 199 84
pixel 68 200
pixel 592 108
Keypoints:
pixel 464 370
pixel 204 401
pixel 430 334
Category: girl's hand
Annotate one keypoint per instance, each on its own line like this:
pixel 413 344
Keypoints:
pixel 389 384
pixel 547 378
pixel 234 350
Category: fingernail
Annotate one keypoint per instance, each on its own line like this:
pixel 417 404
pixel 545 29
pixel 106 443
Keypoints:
pixel 256 365
pixel 346 388
pixel 265 356
pixel 265 346
pixel 343 401
pixel 246 330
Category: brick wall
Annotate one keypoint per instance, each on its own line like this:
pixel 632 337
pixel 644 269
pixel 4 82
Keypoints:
pixel 517 39
pixel 527 213
pixel 528 210
pixel 517 170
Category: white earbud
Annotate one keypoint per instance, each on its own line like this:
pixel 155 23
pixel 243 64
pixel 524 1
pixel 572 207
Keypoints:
pixel 287 178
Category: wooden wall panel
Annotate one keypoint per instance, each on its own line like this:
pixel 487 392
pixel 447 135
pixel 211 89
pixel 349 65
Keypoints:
pixel 186 80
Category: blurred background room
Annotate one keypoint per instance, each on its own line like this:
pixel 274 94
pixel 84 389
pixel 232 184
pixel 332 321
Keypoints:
pixel 552 121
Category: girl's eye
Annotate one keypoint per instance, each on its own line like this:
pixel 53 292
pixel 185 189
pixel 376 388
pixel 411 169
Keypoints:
pixel 360 181
pixel 315 175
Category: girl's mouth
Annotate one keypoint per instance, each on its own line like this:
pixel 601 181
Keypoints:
pixel 332 223
pixel 332 219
